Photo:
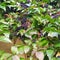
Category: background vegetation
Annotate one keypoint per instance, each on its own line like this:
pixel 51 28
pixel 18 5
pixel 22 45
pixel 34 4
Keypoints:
pixel 36 23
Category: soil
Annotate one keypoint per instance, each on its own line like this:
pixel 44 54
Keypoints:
pixel 7 47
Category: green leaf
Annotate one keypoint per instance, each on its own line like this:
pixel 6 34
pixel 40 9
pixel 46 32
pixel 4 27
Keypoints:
pixel 47 1
pixel 57 44
pixel 26 49
pixel 21 50
pixel 54 58
pixel 58 58
pixel 5 56
pixel 1 52
pixel 14 50
pixel 2 7
pixel 50 53
pixel 28 42
pixel 42 42
pixel 5 39
pixel 22 31
pixel 22 59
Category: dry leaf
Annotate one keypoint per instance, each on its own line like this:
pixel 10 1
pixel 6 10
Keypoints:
pixel 15 57
pixel 39 55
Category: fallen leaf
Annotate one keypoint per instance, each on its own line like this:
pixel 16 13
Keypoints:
pixel 39 55
pixel 15 57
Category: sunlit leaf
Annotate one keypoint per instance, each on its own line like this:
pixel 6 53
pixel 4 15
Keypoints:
pixel 2 7
pixel 50 53
pixel 14 50
pixel 26 49
pixel 53 34
pixel 5 39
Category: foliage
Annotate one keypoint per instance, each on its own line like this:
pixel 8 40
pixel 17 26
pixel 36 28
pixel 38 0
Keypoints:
pixel 36 23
